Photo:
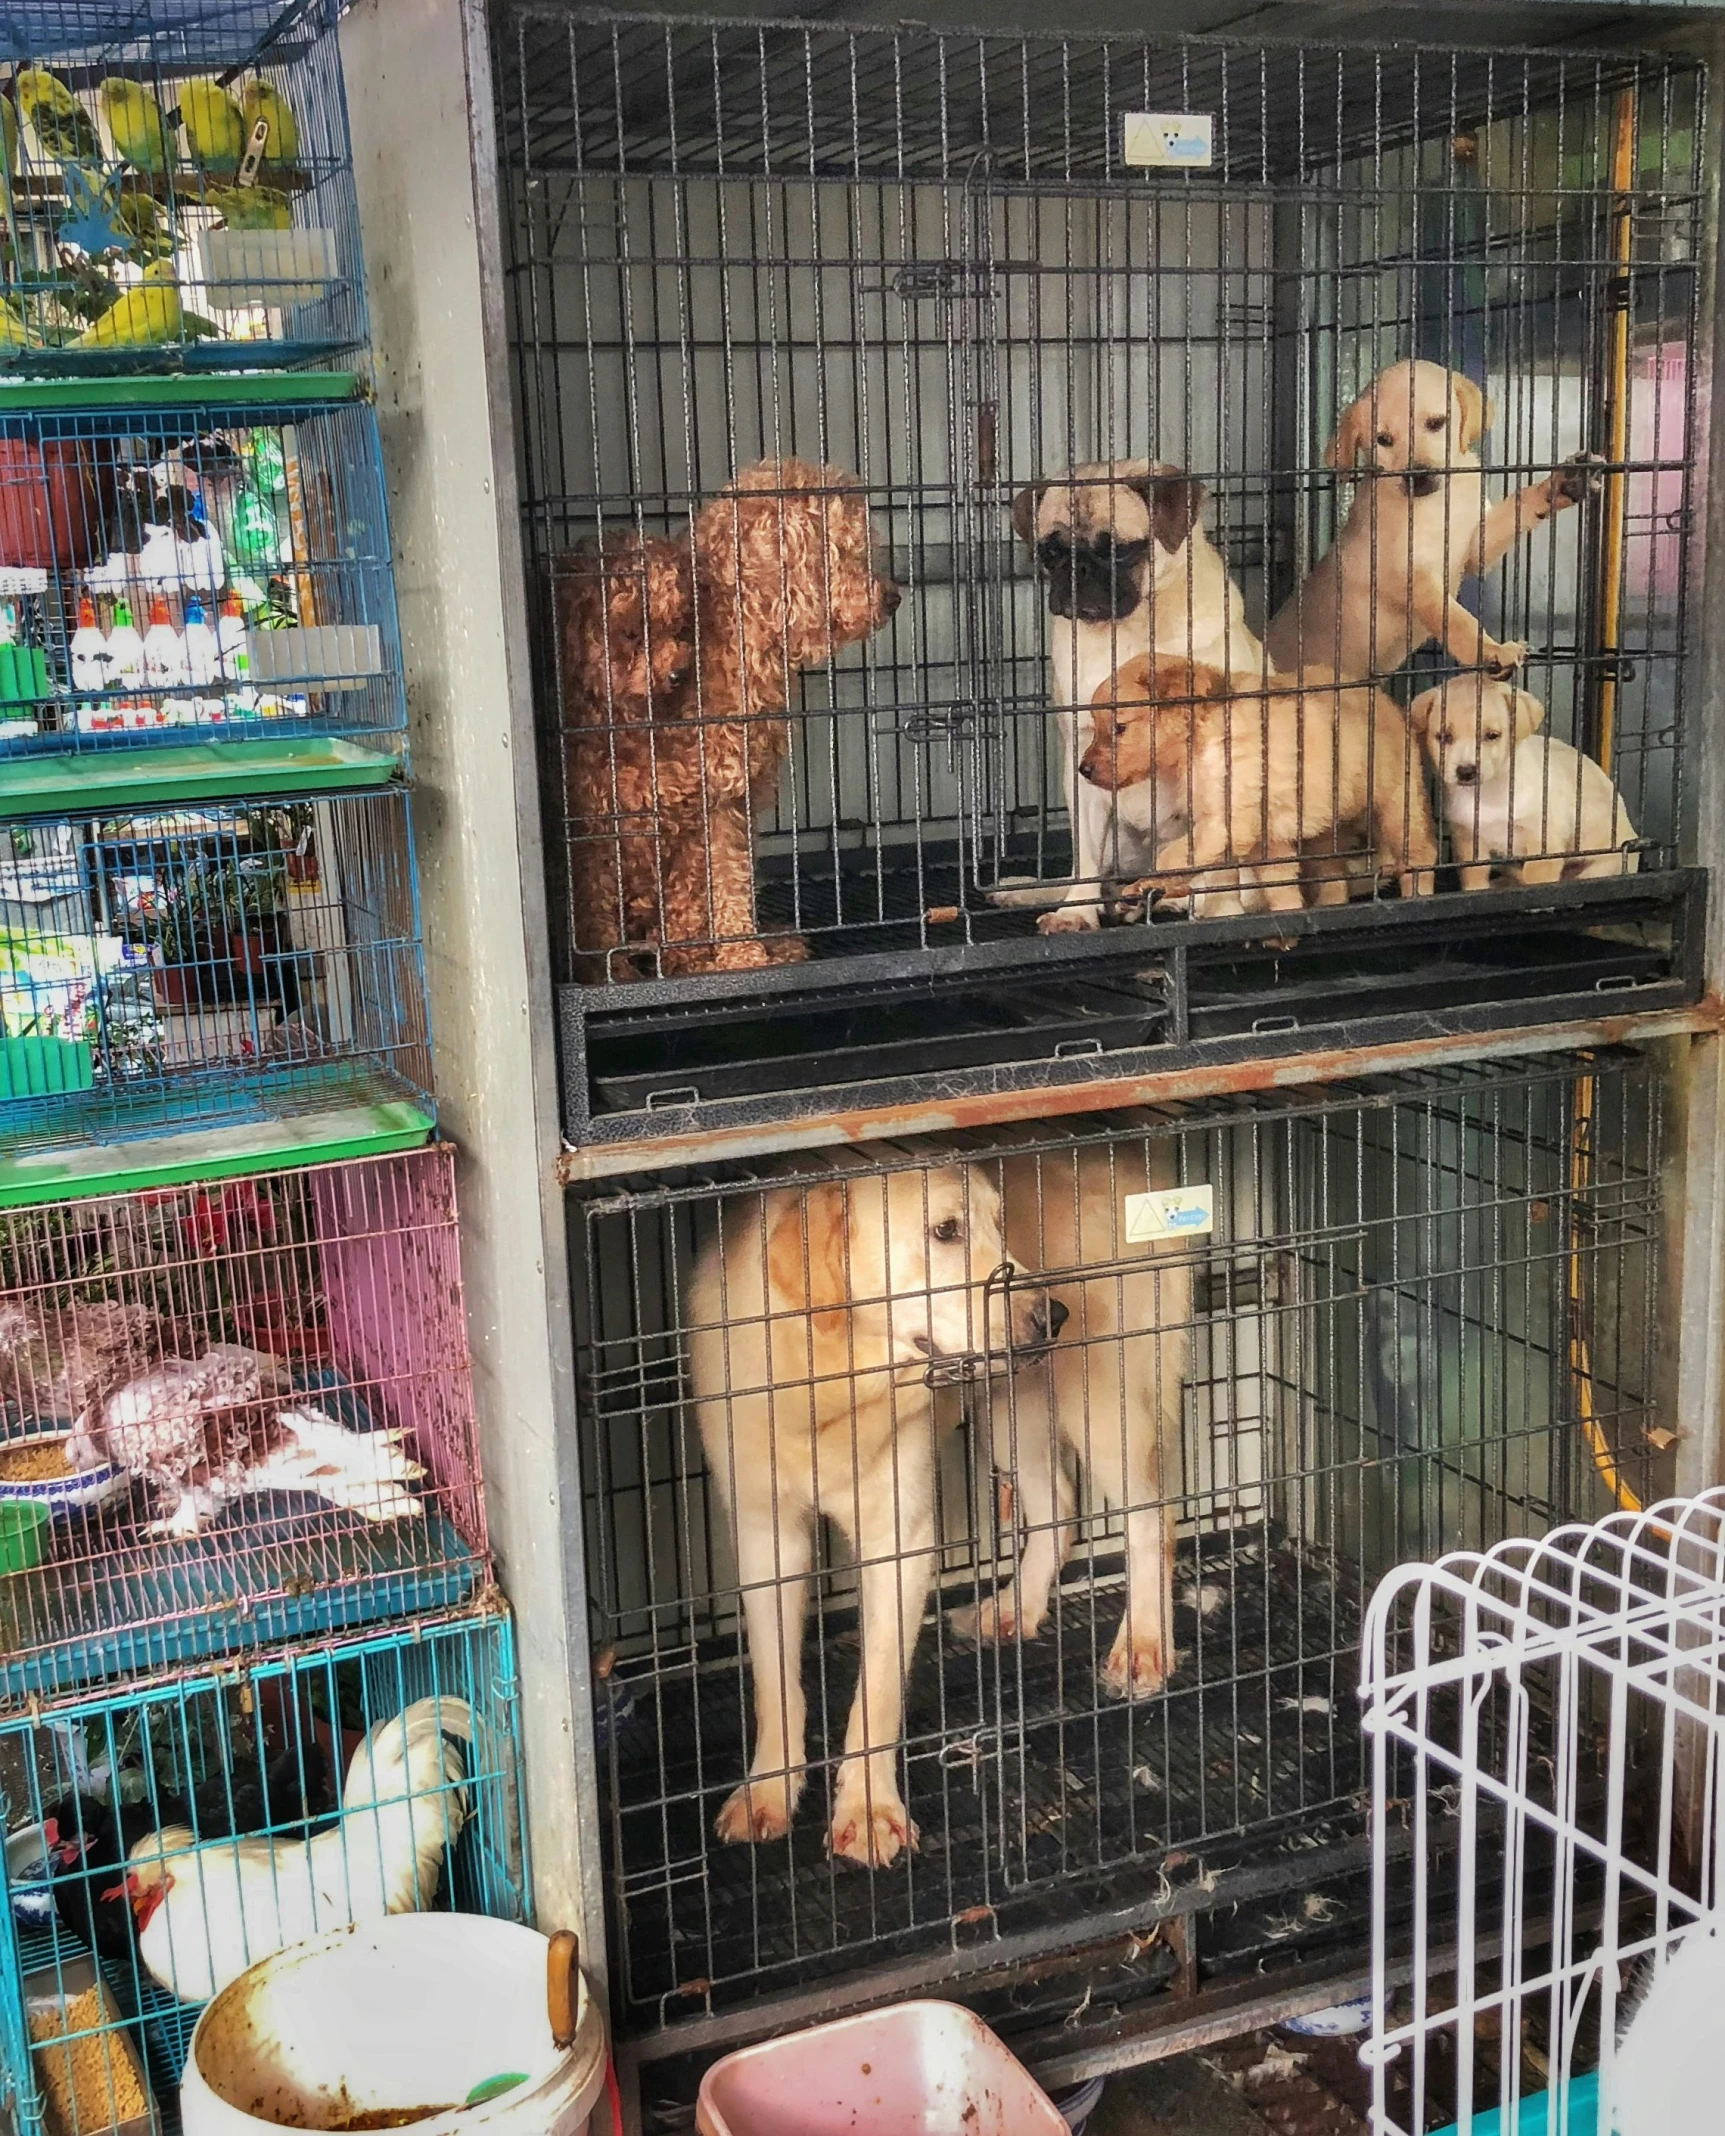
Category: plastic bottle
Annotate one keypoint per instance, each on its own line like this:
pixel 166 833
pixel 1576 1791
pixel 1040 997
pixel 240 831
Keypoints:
pixel 232 658
pixel 125 652
pixel 88 650
pixel 164 651
pixel 203 661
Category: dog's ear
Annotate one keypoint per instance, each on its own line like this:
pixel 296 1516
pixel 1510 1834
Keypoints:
pixel 1419 713
pixel 807 1252
pixel 1173 501
pixel 1025 507
pixel 1528 712
pixel 1352 434
pixel 1476 411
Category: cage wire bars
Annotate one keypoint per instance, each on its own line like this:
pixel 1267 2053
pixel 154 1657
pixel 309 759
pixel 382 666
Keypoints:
pixel 917 261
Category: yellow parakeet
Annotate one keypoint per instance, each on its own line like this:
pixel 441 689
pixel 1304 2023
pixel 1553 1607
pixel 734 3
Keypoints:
pixel 135 122
pixel 8 139
pixel 259 101
pixel 140 317
pixel 61 124
pixel 215 132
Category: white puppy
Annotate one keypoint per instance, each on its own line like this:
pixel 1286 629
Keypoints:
pixel 1128 567
pixel 1514 798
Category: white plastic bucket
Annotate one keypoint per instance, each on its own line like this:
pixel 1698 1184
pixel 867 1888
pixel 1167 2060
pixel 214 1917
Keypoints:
pixel 415 2011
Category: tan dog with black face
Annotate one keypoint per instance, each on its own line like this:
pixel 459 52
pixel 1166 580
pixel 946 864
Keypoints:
pixel 1275 776
pixel 1128 568
pixel 1417 527
pixel 827 1318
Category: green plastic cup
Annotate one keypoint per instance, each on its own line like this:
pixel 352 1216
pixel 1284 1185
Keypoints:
pixel 23 1527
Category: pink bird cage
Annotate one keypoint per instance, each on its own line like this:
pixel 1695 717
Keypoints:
pixel 232 1413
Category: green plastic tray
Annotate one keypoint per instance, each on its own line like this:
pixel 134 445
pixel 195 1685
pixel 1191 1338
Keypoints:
pixel 24 397
pixel 127 779
pixel 211 1153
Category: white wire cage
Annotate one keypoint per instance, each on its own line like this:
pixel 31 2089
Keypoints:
pixel 1547 1731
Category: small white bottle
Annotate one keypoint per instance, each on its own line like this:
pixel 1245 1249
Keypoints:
pixel 233 658
pixel 124 652
pixel 88 650
pixel 164 652
pixel 203 662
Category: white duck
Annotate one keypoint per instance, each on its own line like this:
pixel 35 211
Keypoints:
pixel 204 1914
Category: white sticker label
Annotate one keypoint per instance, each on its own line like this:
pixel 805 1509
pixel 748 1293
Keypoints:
pixel 1168 140
pixel 1169 1213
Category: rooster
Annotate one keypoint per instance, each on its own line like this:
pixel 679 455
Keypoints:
pixel 204 1914
pixel 205 1431
pixel 55 1364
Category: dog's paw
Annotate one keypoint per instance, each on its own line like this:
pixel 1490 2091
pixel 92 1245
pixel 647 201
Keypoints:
pixel 1501 661
pixel 1579 477
pixel 994 1619
pixel 1135 1668
pixel 759 1810
pixel 875 1835
pixel 1071 919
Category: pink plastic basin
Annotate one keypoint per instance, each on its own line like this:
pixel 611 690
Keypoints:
pixel 921 2069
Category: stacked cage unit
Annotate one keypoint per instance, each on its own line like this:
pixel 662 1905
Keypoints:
pixel 242 1533
pixel 1050 1231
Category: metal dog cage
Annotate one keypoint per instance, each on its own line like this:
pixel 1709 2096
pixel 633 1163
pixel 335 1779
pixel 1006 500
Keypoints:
pixel 1392 1317
pixel 179 189
pixel 947 264
pixel 191 967
pixel 329 1480
pixel 253 528
pixel 262 1754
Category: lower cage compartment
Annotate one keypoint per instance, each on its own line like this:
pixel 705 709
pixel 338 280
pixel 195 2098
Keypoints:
pixel 828 1401
pixel 259 1756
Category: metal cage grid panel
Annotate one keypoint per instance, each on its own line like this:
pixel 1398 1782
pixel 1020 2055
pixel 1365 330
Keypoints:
pixel 918 259
pixel 179 189
pixel 1424 1314
pixel 259 537
pixel 321 1471
pixel 178 968
pixel 260 1755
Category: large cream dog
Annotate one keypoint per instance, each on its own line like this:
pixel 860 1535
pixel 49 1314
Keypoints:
pixel 827 1320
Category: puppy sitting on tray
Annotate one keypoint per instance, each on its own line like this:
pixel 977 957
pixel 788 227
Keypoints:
pixel 1130 570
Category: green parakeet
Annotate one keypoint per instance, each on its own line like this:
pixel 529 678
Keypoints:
pixel 61 124
pixel 8 139
pixel 140 317
pixel 259 101
pixel 135 122
pixel 215 132
pixel 251 207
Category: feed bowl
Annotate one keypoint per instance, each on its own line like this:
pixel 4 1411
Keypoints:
pixel 27 1876
pixel 74 1492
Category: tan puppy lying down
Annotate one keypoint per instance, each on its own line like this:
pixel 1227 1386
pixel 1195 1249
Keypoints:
pixel 827 1319
pixel 1307 764
pixel 1515 798
pixel 1417 527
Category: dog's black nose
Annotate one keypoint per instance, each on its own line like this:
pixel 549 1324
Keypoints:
pixel 1423 484
pixel 1465 774
pixel 1058 1316
pixel 889 597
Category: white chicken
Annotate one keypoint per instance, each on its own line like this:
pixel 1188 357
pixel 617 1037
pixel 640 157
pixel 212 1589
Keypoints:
pixel 1667 2061
pixel 205 1913
pixel 205 1431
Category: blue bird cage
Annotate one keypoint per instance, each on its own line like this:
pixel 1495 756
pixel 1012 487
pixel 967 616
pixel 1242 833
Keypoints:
pixel 217 571
pixel 178 188
pixel 232 1412
pixel 189 966
pixel 203 1761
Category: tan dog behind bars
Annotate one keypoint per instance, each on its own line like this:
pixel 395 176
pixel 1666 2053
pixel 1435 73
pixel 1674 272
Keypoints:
pixel 1418 526
pixel 1110 1396
pixel 1282 780
pixel 826 1320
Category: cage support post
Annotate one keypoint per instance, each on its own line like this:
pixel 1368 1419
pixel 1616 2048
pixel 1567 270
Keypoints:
pixel 419 75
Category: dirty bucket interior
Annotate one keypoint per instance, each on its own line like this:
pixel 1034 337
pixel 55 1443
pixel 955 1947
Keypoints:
pixel 921 2069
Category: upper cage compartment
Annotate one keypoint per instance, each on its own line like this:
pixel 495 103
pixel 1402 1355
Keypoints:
pixel 179 188
pixel 953 268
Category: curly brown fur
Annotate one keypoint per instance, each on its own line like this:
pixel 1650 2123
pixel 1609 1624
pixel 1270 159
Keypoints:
pixel 625 639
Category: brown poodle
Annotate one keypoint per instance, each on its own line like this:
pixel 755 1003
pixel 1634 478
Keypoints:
pixel 783 577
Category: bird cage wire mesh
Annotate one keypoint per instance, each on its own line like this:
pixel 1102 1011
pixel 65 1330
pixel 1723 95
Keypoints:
pixel 261 1758
pixel 253 542
pixel 1393 1317
pixel 1546 1734
pixel 932 264
pixel 178 188
pixel 232 1413
pixel 194 967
